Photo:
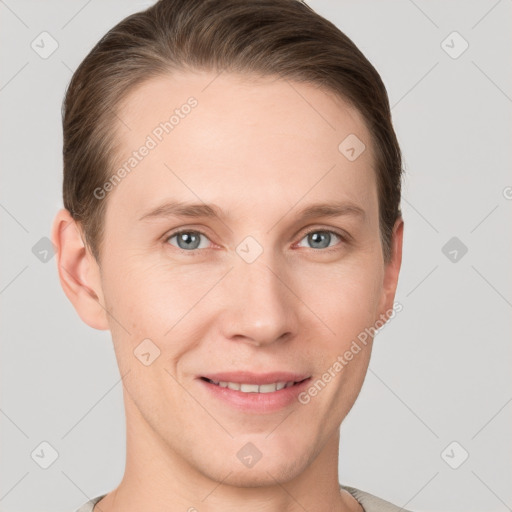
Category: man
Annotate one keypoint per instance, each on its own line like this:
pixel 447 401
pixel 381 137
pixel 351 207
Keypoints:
pixel 232 216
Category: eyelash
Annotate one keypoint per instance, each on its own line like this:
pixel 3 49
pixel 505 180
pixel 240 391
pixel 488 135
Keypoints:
pixel 195 252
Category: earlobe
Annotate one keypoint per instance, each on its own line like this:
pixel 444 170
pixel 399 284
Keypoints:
pixel 78 271
pixel 392 268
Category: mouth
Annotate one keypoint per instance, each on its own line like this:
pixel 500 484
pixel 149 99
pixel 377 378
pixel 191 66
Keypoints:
pixel 255 393
pixel 246 387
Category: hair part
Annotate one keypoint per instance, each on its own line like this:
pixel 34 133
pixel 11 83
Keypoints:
pixel 279 38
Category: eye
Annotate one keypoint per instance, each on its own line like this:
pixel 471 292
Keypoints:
pixel 321 238
pixel 188 240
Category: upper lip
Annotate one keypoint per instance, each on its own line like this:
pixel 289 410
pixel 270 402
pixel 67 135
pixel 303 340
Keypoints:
pixel 255 378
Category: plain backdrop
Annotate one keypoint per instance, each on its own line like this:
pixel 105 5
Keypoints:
pixel 431 428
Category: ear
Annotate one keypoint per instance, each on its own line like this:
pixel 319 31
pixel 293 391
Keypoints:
pixel 79 272
pixel 392 268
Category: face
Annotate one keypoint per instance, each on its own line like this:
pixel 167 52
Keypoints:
pixel 242 247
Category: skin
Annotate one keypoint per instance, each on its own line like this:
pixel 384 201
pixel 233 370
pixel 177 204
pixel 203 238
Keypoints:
pixel 258 150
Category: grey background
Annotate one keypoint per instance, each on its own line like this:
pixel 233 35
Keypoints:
pixel 440 371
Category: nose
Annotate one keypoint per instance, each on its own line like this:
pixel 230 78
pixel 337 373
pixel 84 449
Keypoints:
pixel 259 306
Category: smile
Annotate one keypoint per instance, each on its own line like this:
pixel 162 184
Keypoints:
pixel 254 388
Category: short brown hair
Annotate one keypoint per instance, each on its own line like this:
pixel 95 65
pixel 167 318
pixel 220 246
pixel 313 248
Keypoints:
pixel 280 38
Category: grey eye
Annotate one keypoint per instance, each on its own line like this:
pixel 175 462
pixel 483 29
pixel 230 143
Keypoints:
pixel 320 239
pixel 188 240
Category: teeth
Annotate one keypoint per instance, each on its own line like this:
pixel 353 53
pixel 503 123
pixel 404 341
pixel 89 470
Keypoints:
pixel 267 388
pixel 254 388
pixel 249 388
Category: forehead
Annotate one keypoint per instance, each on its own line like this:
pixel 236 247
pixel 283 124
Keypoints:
pixel 239 139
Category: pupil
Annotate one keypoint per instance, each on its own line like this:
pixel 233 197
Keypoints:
pixel 189 240
pixel 320 239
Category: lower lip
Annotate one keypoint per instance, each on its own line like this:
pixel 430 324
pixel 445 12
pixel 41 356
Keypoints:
pixel 256 402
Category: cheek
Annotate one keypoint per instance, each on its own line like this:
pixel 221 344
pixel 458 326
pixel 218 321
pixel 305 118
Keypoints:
pixel 158 302
pixel 154 296
pixel 346 297
pixel 346 300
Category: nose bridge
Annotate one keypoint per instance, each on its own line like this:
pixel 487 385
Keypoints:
pixel 261 308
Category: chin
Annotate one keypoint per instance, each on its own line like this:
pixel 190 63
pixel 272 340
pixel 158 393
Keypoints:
pixel 269 470
pixel 255 478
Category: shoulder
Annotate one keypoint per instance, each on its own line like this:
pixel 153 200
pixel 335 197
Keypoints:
pixel 87 507
pixel 371 503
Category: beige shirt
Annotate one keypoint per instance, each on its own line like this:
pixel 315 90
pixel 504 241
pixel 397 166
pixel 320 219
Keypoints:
pixel 369 502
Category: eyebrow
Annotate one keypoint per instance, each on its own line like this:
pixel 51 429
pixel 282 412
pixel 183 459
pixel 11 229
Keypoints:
pixel 203 210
